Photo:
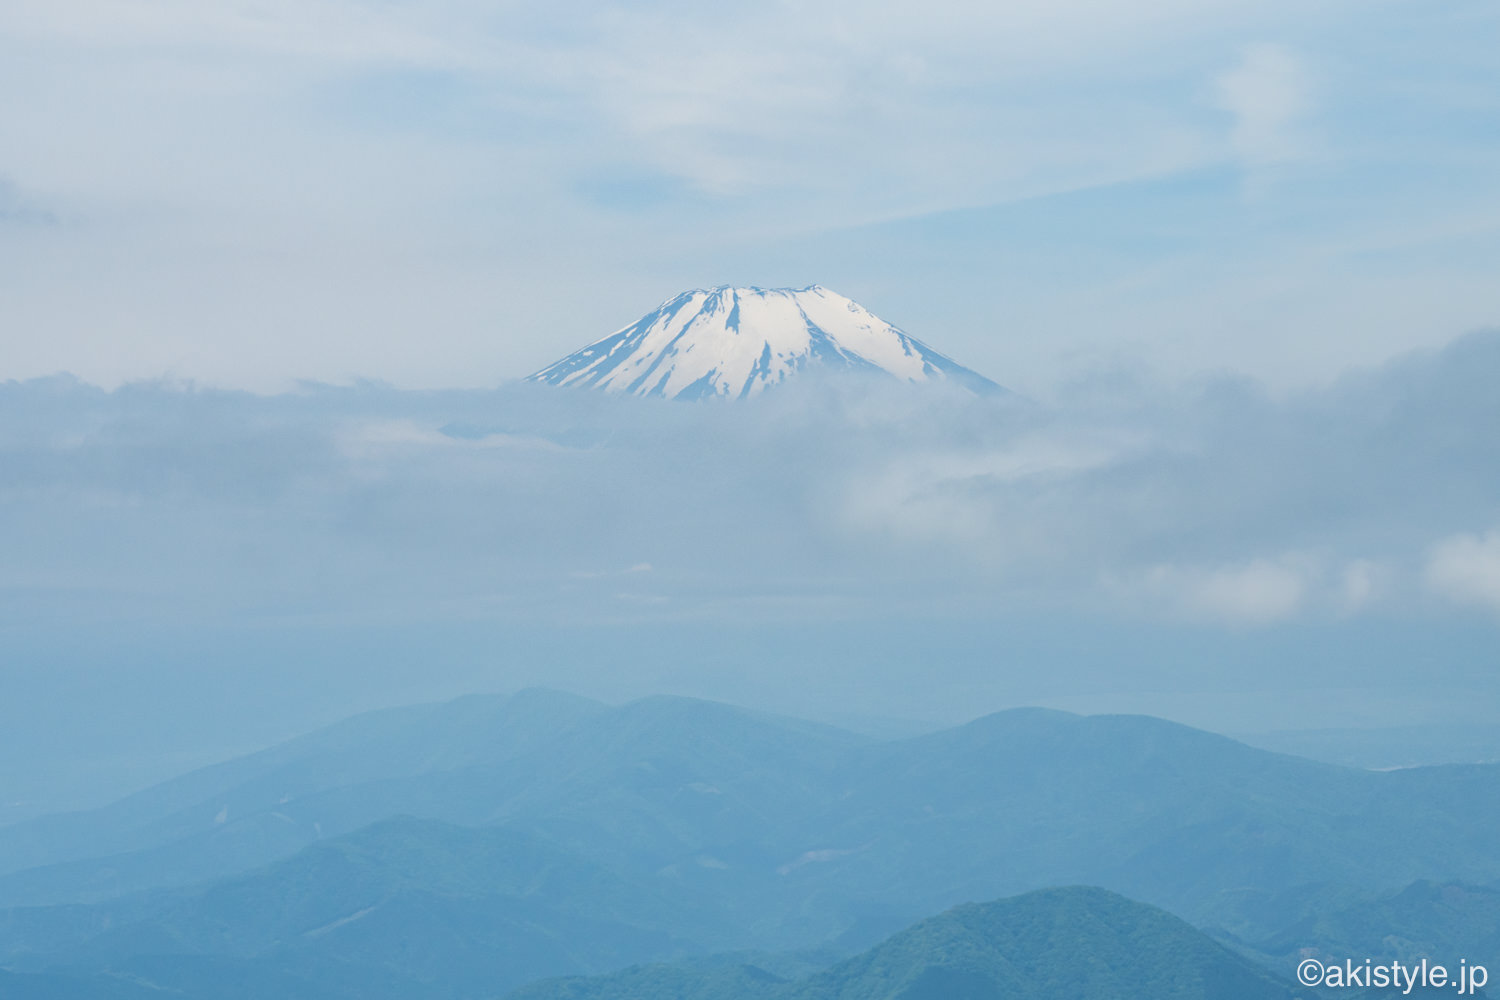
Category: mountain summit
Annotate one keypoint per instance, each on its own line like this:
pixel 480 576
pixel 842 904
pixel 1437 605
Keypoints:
pixel 738 341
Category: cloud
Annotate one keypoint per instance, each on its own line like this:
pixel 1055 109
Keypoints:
pixel 1269 94
pixel 1362 583
pixel 1257 592
pixel 1214 503
pixel 1264 591
pixel 1466 569
pixel 973 499
pixel 1131 536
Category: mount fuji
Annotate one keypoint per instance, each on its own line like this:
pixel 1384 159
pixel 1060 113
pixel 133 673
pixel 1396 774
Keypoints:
pixel 737 342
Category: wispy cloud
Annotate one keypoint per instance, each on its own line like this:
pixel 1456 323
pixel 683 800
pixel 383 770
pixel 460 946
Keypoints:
pixel 1466 569
pixel 1269 93
pixel 1363 583
pixel 1257 592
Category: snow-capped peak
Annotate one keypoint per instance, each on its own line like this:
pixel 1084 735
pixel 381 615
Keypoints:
pixel 738 341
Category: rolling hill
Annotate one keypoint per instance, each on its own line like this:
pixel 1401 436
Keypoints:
pixel 1073 942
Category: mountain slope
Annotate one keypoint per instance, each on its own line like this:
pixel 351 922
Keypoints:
pixel 1075 942
pixel 754 810
pixel 656 781
pixel 1426 920
pixel 404 908
pixel 737 342
pixel 240 809
pixel 1177 817
pixel 670 826
pixel 730 829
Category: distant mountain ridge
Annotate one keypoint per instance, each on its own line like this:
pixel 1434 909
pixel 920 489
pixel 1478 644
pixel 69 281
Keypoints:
pixel 384 745
pixel 721 795
pixel 738 342
pixel 597 836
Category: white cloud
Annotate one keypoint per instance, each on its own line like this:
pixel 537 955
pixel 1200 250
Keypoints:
pixel 1466 569
pixel 1268 93
pixel 1363 582
pixel 1263 590
pixel 1259 592
pixel 962 498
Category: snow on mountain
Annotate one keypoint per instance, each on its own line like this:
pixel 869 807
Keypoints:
pixel 738 341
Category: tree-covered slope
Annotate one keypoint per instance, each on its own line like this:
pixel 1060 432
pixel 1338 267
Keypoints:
pixel 1075 942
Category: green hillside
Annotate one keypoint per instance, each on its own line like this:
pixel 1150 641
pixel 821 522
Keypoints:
pixel 1076 942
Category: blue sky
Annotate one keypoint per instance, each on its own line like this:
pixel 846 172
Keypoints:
pixel 451 193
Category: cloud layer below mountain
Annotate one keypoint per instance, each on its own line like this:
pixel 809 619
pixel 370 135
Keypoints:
pixel 1169 548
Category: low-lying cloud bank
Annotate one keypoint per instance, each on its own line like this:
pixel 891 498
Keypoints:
pixel 188 574
pixel 1211 503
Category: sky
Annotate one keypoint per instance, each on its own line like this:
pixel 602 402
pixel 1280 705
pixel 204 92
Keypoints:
pixel 445 193
pixel 270 273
